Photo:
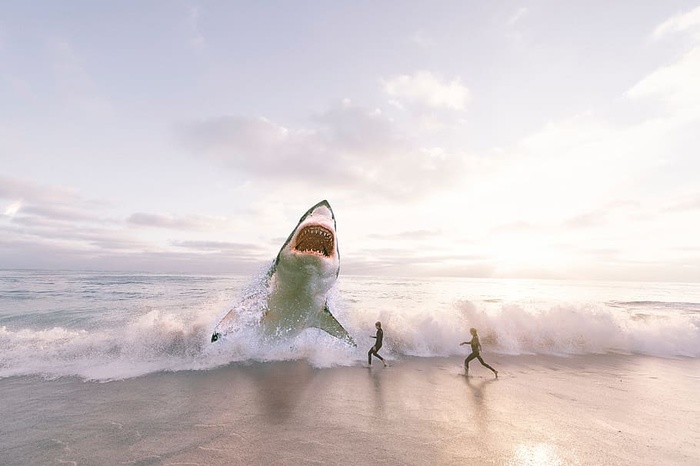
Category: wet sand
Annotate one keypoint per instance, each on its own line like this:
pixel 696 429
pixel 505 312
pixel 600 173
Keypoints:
pixel 607 409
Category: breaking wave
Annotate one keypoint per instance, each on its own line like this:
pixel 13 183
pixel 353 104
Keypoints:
pixel 175 339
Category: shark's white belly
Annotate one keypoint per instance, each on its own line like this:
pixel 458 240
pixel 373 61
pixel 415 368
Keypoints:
pixel 297 297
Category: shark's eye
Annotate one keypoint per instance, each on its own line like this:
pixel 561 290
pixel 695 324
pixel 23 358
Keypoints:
pixel 315 239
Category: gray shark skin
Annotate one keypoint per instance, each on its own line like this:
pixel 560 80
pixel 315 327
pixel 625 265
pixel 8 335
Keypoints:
pixel 300 279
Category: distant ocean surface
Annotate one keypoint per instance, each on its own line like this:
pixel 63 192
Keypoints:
pixel 111 326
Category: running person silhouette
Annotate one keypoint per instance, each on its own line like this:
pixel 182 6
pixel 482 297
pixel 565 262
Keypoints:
pixel 374 350
pixel 476 350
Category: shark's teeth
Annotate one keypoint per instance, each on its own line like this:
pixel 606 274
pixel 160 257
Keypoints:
pixel 315 239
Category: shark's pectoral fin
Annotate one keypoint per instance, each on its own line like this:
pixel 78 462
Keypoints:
pixel 329 324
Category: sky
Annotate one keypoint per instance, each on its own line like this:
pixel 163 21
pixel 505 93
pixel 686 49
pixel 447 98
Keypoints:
pixel 541 139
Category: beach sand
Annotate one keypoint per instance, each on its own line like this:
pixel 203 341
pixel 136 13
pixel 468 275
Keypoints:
pixel 602 409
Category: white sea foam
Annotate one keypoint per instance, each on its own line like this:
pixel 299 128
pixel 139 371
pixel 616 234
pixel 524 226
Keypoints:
pixel 418 320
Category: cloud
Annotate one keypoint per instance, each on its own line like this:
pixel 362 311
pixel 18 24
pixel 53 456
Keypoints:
pixel 348 148
pixel 170 221
pixel 256 146
pixel 681 22
pixel 515 227
pixel 398 261
pixel 425 89
pixel 55 236
pixel 12 209
pixel 517 16
pixel 584 162
pixel 15 188
pixel 686 204
pixel 24 253
pixel 676 84
pixel 53 206
pixel 61 213
pixel 423 40
pixel 407 235
pixel 250 250
pixel 613 210
pixel 44 207
pixel 22 88
pixel 587 220
pixel 53 227
pixel 362 132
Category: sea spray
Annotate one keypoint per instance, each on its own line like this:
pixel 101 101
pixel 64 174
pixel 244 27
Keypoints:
pixel 163 323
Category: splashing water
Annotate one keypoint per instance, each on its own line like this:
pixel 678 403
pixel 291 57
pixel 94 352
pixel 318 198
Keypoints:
pixel 111 326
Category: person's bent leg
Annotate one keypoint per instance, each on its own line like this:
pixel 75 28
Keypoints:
pixel 486 365
pixel 380 358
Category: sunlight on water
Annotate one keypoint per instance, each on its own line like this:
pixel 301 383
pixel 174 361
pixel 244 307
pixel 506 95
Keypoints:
pixel 538 454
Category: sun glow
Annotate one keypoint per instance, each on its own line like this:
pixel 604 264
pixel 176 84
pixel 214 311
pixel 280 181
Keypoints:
pixel 513 254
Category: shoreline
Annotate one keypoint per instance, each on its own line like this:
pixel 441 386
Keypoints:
pixel 611 409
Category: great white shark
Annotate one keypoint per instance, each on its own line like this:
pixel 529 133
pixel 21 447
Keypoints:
pixel 300 279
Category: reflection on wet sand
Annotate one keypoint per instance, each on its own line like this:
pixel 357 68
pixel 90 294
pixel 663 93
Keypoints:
pixel 280 387
pixel 376 376
pixel 478 390
pixel 536 454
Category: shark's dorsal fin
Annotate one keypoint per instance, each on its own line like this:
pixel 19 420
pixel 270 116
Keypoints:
pixel 329 324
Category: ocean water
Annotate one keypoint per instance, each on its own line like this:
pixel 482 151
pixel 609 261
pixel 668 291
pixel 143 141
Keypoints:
pixel 117 368
pixel 113 326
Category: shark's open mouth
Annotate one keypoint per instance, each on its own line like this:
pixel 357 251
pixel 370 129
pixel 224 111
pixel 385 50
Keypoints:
pixel 315 239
